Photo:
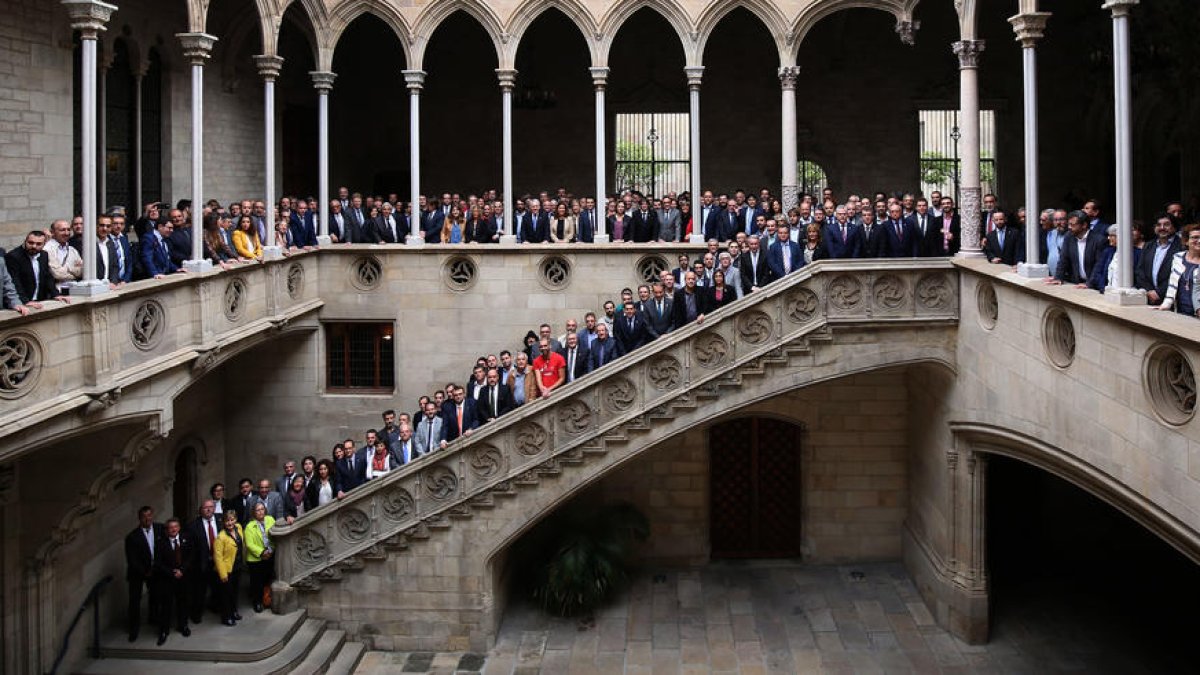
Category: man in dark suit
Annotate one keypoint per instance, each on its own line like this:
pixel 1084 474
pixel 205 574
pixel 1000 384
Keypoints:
pixel 303 225
pixel 843 238
pixel 284 482
pixel 124 249
pixel 748 215
pixel 928 230
pixel 480 231
pixel 1004 245
pixel 604 349
pixel 386 228
pixel 204 531
pixel 459 415
pixel 644 222
pixel 724 226
pixel 244 500
pixel 691 303
pixel 949 227
pixel 352 467
pixel 897 238
pixel 535 226
pixel 439 211
pixel 174 565
pixel 708 217
pixel 139 568
pixel 339 230
pixel 784 256
pixel 495 399
pixel 356 222
pixel 29 267
pixel 630 329
pixel 753 266
pixel 585 227
pixel 156 252
pixel 1154 267
pixel 1074 268
pixel 657 312
pixel 575 355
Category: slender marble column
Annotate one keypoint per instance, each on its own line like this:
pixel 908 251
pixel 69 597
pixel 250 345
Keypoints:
pixel 508 79
pixel 269 66
pixel 323 82
pixel 197 47
pixel 135 209
pixel 694 75
pixel 89 17
pixel 599 83
pixel 415 79
pixel 971 209
pixel 1030 26
pixel 1122 290
pixel 790 185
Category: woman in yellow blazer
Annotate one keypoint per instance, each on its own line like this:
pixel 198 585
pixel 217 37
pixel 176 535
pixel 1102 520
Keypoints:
pixel 260 554
pixel 245 239
pixel 229 557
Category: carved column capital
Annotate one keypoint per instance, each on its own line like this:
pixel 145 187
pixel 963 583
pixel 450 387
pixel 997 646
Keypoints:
pixel 197 47
pixel 694 75
pixel 322 80
pixel 968 52
pixel 1120 8
pixel 89 17
pixel 268 65
pixel 1029 27
pixel 788 76
pixel 414 80
pixel 599 77
pixel 907 30
pixel 507 77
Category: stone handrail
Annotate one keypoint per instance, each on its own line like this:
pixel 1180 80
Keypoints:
pixel 427 490
pixel 87 355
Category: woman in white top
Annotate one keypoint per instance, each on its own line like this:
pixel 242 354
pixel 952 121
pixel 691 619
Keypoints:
pixel 323 488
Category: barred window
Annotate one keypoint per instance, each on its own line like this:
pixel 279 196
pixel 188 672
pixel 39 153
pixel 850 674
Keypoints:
pixel 359 356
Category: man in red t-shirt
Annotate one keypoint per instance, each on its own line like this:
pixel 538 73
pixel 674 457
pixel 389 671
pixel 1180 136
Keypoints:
pixel 550 367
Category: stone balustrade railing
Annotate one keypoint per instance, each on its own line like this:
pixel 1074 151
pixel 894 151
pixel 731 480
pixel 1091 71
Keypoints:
pixel 819 296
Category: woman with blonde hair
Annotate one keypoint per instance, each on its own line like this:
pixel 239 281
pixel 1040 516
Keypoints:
pixel 229 559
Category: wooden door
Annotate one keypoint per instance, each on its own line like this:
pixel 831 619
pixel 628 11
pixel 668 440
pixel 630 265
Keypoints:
pixel 754 483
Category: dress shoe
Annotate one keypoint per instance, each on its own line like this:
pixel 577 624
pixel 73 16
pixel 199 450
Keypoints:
pixel 237 617
pixel 258 608
pixel 185 631
pixel 162 639
pixel 229 622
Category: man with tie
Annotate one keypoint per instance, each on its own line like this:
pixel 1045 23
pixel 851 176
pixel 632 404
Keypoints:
pixel 174 565
pixel 338 233
pixel 386 228
pixel 927 229
pixel 357 219
pixel 644 223
pixel 842 237
pixel 657 312
pixel 123 249
pixel 1004 245
pixel 668 220
pixel 898 238
pixel 784 256
pixel 139 568
pixel 156 251
pixel 205 530
pixel 535 226
pixel 603 350
pixel 575 354
pixel 706 220
pixel 748 216
pixel 430 433
pixel 630 329
pixel 303 225
pixel 495 399
pixel 459 415
pixel 352 467
pixel 404 448
pixel 585 231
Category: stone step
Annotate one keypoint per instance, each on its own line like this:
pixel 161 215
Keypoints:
pixel 346 661
pixel 255 638
pixel 322 654
pixel 286 660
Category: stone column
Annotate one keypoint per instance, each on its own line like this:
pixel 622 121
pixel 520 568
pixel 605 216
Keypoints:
pixel 135 209
pixel 416 81
pixel 269 66
pixel 599 82
pixel 89 17
pixel 694 76
pixel 1030 26
pixel 971 209
pixel 508 79
pixel 323 82
pixel 1122 291
pixel 790 186
pixel 105 64
pixel 197 47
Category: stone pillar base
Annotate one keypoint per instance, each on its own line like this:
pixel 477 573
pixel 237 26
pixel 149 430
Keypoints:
pixel 1126 297
pixel 324 240
pixel 1033 270
pixel 508 239
pixel 600 239
pixel 87 289
pixel 968 254
pixel 696 239
pixel 284 598
pixel 272 253
pixel 961 611
pixel 197 266
pixel 414 240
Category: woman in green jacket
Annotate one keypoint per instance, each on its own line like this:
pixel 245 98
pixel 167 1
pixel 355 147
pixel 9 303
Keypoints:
pixel 260 554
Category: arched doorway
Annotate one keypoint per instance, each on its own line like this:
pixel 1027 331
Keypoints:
pixel 754 488
pixel 183 489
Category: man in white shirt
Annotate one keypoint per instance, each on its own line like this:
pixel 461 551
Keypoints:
pixel 65 262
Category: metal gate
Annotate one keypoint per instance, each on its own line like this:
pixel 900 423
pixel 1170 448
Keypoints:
pixel 755 489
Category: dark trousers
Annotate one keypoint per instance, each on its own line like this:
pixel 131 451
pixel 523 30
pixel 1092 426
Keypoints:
pixel 228 594
pixel 205 588
pixel 262 573
pixel 174 604
pixel 135 602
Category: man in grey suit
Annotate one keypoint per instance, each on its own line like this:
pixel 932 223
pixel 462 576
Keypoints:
pixel 668 220
pixel 430 434
pixel 657 312
pixel 271 499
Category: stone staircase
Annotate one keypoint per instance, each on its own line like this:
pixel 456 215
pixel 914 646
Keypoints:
pixel 265 644
pixel 599 421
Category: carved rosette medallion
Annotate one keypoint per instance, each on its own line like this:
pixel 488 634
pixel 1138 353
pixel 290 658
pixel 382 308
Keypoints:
pixel 235 299
pixel 440 482
pixel 664 373
pixel 20 364
pixel 353 525
pixel 620 394
pixel 397 504
pixel 531 437
pixel 311 549
pixel 366 273
pixel 755 327
pixel 146 328
pixel 935 293
pixel 890 292
pixel 486 461
pixel 711 350
pixel 845 293
pixel 295 280
pixel 802 305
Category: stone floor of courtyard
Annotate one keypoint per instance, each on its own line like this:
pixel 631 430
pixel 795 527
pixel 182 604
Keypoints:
pixel 786 617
